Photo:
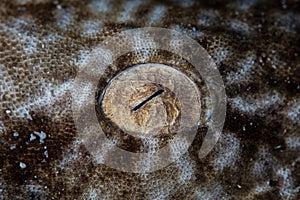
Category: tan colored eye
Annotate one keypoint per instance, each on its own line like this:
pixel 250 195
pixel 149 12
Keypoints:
pixel 146 100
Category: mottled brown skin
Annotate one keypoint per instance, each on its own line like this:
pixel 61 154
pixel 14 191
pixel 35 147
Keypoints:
pixel 53 40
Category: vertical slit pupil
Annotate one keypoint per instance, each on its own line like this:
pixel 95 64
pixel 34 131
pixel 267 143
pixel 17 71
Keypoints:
pixel 158 92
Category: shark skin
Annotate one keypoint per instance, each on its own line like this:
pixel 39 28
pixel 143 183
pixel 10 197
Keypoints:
pixel 256 47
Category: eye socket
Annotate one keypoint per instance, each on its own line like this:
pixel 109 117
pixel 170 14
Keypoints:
pixel 127 112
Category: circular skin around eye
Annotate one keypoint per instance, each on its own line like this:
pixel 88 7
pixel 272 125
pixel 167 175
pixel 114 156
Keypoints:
pixel 91 134
pixel 147 99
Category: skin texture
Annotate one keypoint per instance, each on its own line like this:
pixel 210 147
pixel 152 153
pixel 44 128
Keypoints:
pixel 256 47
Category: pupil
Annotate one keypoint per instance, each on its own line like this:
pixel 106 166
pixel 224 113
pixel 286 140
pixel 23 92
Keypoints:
pixel 148 99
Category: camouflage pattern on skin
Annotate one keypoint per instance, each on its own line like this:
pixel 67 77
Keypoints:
pixel 256 46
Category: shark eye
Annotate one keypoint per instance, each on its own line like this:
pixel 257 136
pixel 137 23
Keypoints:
pixel 141 100
pixel 146 100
